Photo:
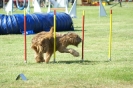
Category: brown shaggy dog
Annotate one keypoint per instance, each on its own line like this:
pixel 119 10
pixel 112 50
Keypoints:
pixel 44 43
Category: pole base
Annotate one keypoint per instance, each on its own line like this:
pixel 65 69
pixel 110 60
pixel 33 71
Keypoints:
pixel 25 61
pixel 109 59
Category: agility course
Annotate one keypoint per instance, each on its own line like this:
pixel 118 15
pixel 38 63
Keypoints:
pixel 68 71
pixel 13 24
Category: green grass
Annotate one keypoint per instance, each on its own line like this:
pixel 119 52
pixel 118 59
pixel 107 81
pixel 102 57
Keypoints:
pixel 68 72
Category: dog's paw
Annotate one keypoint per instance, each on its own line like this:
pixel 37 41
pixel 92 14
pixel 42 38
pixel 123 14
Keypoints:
pixel 76 54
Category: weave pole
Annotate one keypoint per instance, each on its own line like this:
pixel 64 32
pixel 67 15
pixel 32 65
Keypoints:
pixel 83 19
pixel 110 36
pixel 25 45
pixel 54 35
pixel 23 7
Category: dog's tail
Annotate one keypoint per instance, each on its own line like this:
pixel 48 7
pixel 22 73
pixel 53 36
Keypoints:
pixel 50 33
pixel 51 30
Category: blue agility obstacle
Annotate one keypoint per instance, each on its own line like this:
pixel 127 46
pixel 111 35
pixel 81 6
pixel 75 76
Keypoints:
pixel 37 22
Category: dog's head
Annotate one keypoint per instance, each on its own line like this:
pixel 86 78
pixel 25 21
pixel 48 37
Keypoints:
pixel 73 38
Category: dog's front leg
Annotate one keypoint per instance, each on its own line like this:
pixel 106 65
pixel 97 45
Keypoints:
pixel 71 51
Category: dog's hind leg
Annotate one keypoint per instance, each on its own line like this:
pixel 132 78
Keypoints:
pixel 47 57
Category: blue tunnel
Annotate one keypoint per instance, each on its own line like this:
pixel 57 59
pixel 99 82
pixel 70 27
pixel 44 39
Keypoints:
pixel 37 22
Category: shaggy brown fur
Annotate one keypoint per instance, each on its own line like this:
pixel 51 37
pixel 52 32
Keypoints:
pixel 44 43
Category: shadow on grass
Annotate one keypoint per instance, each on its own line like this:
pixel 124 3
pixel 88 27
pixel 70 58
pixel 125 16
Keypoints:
pixel 85 62
pixel 78 30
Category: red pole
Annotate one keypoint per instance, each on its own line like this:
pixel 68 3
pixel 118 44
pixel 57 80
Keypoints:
pixel 83 17
pixel 25 48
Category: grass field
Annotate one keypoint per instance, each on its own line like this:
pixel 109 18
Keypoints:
pixel 68 72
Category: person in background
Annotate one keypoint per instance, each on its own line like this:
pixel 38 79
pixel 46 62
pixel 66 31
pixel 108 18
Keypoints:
pixel 72 1
pixel 42 3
